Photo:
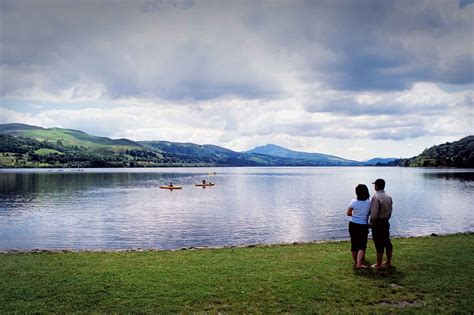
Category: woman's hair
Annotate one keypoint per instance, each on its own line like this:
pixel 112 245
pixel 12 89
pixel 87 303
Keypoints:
pixel 362 192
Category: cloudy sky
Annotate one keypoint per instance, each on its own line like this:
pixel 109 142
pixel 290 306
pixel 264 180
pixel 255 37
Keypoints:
pixel 357 79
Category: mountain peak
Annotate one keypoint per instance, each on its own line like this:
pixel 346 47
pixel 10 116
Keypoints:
pixel 317 158
pixel 271 146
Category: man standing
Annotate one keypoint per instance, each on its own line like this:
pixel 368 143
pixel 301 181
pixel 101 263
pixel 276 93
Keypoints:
pixel 380 213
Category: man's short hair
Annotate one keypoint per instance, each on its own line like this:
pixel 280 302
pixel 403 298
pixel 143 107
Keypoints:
pixel 380 183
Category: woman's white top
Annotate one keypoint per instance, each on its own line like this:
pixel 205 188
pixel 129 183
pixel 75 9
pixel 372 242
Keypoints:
pixel 360 211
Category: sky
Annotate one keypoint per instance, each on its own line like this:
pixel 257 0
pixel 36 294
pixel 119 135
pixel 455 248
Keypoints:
pixel 356 79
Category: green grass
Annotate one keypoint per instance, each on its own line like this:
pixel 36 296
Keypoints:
pixel 11 160
pixel 44 151
pixel 432 274
pixel 7 158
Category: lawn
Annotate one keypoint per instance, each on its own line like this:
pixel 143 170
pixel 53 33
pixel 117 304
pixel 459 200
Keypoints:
pixel 44 151
pixel 431 274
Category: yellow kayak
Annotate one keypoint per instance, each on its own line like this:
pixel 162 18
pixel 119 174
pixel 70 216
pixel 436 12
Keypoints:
pixel 205 185
pixel 171 187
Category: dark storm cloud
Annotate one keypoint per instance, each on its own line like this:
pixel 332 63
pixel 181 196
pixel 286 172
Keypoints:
pixel 158 5
pixel 389 45
pixel 463 3
pixel 207 49
pixel 349 106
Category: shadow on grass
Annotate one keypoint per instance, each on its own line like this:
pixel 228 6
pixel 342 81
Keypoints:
pixel 391 275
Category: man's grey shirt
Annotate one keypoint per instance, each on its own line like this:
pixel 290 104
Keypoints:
pixel 381 206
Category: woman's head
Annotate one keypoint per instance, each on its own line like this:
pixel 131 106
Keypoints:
pixel 362 192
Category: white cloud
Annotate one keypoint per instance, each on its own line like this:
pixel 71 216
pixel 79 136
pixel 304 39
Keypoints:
pixel 430 94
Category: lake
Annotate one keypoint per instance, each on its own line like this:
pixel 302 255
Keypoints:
pixel 125 209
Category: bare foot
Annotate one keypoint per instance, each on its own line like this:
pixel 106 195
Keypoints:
pixel 362 267
pixel 387 265
pixel 376 266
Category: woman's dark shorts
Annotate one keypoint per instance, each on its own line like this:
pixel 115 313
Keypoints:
pixel 381 235
pixel 358 233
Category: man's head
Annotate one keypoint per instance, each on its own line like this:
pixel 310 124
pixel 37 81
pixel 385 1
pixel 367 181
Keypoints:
pixel 379 184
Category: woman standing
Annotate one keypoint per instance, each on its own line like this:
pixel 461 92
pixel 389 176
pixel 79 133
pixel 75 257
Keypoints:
pixel 359 210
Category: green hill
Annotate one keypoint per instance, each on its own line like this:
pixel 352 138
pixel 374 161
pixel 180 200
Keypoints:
pixel 30 146
pixel 69 137
pixel 455 154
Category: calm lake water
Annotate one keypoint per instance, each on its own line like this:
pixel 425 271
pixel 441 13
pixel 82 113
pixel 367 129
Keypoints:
pixel 125 209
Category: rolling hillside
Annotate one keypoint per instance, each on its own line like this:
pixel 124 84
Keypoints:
pixel 30 146
pixel 450 154
pixel 69 137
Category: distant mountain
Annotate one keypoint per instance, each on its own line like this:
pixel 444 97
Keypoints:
pixel 196 154
pixel 450 154
pixel 312 158
pixel 381 161
pixel 213 155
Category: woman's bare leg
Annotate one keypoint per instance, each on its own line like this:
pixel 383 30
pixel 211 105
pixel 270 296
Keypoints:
pixel 360 259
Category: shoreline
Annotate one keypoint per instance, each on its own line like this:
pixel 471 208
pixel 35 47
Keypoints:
pixel 251 245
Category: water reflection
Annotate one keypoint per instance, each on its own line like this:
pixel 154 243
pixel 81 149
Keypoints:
pixel 453 175
pixel 98 209
pixel 23 188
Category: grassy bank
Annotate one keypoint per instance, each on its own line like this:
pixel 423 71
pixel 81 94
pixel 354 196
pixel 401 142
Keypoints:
pixel 430 274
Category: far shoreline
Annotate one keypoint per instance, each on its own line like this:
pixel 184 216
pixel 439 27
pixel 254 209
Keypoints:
pixel 81 169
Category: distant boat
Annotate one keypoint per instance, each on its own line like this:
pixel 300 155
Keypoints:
pixel 171 187
pixel 205 185
pixel 212 173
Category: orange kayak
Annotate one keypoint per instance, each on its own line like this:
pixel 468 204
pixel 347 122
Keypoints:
pixel 171 187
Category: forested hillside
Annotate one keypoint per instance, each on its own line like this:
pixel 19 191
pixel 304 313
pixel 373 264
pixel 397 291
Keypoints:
pixel 26 152
pixel 455 154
